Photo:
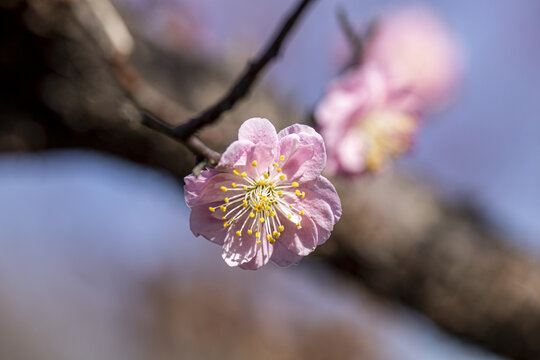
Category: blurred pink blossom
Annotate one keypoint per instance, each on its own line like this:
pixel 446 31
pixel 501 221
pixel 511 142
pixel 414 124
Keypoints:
pixel 418 51
pixel 365 121
pixel 266 199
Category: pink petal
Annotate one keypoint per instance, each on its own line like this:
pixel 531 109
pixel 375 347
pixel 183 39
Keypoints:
pixel 239 250
pixel 211 192
pixel 299 241
pixel 263 253
pixel 283 257
pixel 351 152
pixel 202 222
pixel 258 130
pixel 305 156
pixel 323 206
pixel 236 155
pixel 194 185
pixel 263 154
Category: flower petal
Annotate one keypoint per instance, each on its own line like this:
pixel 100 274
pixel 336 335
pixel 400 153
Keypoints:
pixel 202 222
pixel 305 155
pixel 195 185
pixel 258 130
pixel 299 241
pixel 323 207
pixel 239 250
pixel 236 154
pixel 283 257
pixel 263 254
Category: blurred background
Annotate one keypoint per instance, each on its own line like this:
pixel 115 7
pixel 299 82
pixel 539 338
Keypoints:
pixel 97 258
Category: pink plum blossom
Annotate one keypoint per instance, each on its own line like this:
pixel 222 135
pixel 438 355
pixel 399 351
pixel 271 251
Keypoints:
pixel 365 121
pixel 418 51
pixel 266 199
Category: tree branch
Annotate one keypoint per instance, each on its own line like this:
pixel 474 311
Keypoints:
pixel 244 83
pixel 354 39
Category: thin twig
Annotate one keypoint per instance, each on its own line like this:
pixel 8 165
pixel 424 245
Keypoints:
pixel 244 83
pixel 156 110
pixel 353 37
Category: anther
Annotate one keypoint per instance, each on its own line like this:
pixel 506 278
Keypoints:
pixel 281 227
pixel 243 174
pixel 250 232
pixel 226 200
pixel 223 188
pixel 212 209
pixel 281 158
pixel 236 172
pixel 254 163
pixel 239 233
pixel 281 177
pixel 294 184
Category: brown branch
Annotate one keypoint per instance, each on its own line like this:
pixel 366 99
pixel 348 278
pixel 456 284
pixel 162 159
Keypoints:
pixel 354 39
pixel 113 39
pixel 246 80
pixel 403 242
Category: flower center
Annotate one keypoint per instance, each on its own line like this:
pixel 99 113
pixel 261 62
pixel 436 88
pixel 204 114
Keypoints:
pixel 387 134
pixel 261 206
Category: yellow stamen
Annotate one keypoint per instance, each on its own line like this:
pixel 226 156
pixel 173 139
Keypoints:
pixel 245 203
pixel 239 233
pixel 243 174
pixel 226 200
pixel 268 237
pixel 212 209
pixel 250 232
pixel 303 194
pixel 236 172
pixel 294 184
pixel 281 227
pixel 281 158
pixel 261 220
pixel 257 234
pixel 254 163
pixel 301 212
pixel 223 188
pixel 266 175
pixel 223 208
pixel 278 169
pixel 281 177
pixel 275 165
pixel 275 234
pixel 280 192
pixel 298 193
pixel 252 215
pixel 233 185
pixel 258 241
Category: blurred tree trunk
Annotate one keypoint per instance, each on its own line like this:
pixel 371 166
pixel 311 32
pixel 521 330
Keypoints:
pixel 395 235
